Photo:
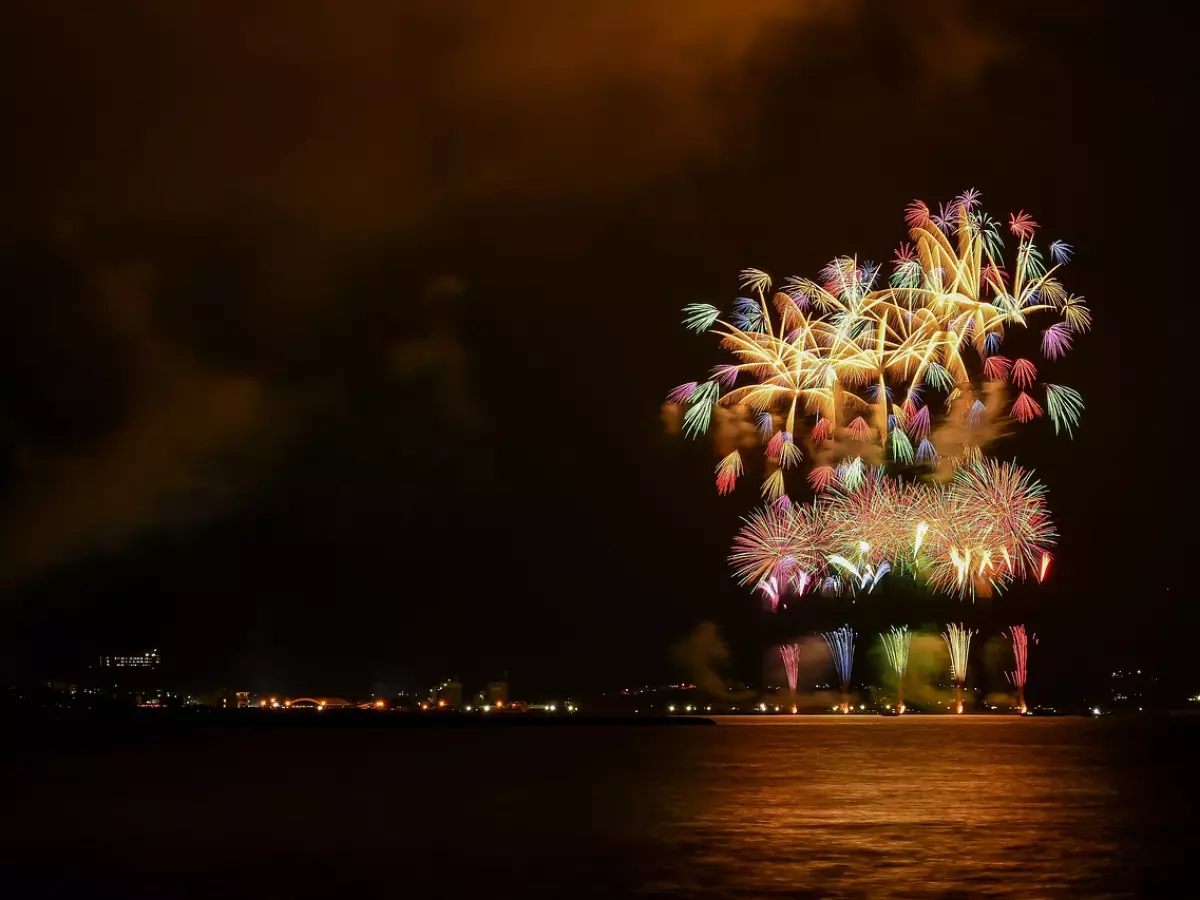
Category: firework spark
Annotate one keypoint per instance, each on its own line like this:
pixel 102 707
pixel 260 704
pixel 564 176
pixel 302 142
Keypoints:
pixel 1020 647
pixel 896 642
pixel 958 642
pixel 843 365
pixel 841 647
pixel 790 654
pixel 728 472
pixel 986 528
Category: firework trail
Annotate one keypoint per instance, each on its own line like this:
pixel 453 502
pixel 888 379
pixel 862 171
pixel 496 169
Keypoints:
pixel 896 642
pixel 958 642
pixel 862 369
pixel 1020 647
pixel 841 647
pixel 790 654
pixel 976 534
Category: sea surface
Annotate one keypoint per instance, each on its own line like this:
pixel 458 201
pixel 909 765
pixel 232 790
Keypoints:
pixel 758 807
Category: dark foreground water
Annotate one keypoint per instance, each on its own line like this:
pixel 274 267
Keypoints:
pixel 800 807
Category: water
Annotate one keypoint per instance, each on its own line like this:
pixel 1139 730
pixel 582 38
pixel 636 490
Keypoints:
pixel 795 807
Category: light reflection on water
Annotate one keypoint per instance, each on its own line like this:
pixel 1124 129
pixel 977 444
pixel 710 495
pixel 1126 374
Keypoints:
pixel 825 806
pixel 886 807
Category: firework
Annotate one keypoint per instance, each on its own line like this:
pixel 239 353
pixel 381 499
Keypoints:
pixel 1020 647
pixel 841 647
pixel 958 642
pixel 790 654
pixel 976 534
pixel 895 644
pixel 849 366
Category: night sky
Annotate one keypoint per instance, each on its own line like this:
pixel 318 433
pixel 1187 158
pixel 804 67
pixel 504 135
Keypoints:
pixel 334 341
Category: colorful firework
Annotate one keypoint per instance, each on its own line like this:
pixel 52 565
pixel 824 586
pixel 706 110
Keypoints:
pixel 974 535
pixel 1020 648
pixel 896 642
pixel 845 367
pixel 958 642
pixel 841 648
pixel 790 654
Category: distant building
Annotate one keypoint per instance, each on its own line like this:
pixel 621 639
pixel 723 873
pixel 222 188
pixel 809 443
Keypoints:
pixel 1134 687
pixel 449 695
pixel 149 660
pixel 243 699
pixel 497 693
pixel 221 699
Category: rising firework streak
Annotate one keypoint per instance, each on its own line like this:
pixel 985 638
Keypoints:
pixel 1017 677
pixel 841 648
pixel 896 642
pixel 958 642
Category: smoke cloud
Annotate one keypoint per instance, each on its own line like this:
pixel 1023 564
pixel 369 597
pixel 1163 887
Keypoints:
pixel 302 133
pixel 702 655
pixel 149 468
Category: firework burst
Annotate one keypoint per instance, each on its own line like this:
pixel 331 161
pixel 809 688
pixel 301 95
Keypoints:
pixel 986 528
pixel 846 365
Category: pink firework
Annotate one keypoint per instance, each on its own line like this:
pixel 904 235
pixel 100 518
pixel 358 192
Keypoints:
pixel 775 446
pixel 1020 647
pixel 917 214
pixel 683 393
pixel 1056 340
pixel 1022 225
pixel 1024 374
pixel 996 368
pixel 859 430
pixel 727 472
pixel 1026 409
pixel 920 424
pixel 822 477
pixel 770 589
pixel 790 654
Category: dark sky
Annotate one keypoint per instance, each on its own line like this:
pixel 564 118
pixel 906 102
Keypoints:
pixel 334 341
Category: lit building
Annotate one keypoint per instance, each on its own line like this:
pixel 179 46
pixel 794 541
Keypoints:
pixel 149 660
pixel 497 693
pixel 1133 687
pixel 449 695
